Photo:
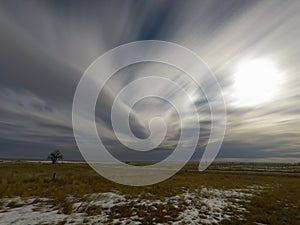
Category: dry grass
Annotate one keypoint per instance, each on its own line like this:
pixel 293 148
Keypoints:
pixel 278 204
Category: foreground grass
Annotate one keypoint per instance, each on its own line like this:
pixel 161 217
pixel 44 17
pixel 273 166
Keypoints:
pixel 278 204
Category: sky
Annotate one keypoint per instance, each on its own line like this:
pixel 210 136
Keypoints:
pixel 46 46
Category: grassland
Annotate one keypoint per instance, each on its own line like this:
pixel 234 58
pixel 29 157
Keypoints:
pixel 265 199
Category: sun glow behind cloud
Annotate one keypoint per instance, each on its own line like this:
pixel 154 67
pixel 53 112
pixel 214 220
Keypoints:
pixel 256 82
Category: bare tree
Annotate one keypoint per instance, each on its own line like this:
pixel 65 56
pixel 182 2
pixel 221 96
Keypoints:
pixel 55 155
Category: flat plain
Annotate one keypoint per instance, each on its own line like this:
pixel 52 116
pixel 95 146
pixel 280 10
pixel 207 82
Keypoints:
pixel 225 194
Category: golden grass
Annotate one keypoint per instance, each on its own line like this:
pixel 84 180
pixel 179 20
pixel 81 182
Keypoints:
pixel 279 204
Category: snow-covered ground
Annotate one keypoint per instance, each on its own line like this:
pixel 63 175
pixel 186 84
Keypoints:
pixel 201 206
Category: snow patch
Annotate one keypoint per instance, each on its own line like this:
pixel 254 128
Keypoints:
pixel 201 206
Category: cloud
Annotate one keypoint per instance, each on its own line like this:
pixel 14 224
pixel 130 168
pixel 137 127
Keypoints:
pixel 46 47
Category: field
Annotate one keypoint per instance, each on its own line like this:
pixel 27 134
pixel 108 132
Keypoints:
pixel 78 195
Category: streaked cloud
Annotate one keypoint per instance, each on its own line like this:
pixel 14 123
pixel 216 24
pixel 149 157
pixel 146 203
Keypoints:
pixel 46 47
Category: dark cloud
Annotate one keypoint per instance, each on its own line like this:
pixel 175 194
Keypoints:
pixel 45 46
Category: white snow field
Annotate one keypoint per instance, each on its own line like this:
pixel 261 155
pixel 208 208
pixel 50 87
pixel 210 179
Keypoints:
pixel 202 206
